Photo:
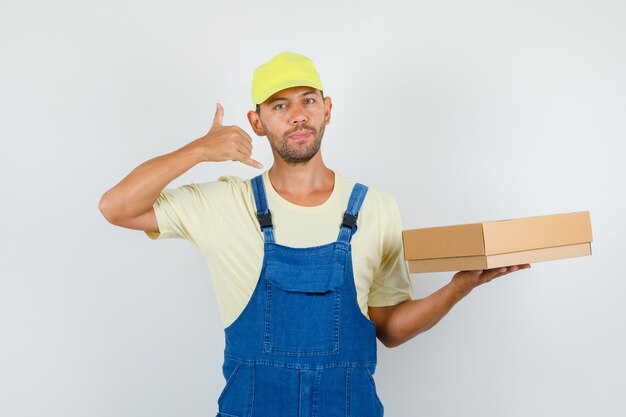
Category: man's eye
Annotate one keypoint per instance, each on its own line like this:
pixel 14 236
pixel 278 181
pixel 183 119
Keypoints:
pixel 280 106
pixel 309 101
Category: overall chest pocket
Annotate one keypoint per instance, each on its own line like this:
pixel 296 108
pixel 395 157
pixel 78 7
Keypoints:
pixel 302 309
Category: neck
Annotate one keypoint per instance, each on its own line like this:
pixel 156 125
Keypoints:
pixel 306 183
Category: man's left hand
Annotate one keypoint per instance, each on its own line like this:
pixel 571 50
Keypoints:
pixel 466 281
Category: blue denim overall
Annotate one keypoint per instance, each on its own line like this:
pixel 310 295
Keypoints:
pixel 302 347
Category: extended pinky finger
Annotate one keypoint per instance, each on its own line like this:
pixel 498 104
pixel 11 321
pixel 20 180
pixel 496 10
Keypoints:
pixel 252 162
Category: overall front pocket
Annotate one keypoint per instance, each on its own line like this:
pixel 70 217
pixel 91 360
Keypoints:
pixel 302 309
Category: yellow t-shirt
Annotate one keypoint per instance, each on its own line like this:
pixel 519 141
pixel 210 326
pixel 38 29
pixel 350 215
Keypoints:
pixel 219 218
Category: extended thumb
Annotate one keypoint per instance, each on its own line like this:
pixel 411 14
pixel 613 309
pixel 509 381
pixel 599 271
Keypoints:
pixel 219 115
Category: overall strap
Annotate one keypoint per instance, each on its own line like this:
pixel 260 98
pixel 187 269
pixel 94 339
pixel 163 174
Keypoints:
pixel 262 211
pixel 348 225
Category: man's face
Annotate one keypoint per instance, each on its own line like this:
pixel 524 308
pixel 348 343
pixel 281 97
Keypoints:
pixel 294 120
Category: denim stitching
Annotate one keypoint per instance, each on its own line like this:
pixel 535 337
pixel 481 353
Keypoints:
pixel 370 379
pixel 229 382
pixel 289 365
pixel 252 384
pixel 348 374
pixel 316 391
pixel 337 319
pixel 269 347
pixel 268 303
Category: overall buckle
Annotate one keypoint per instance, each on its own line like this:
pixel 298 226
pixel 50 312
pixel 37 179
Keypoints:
pixel 349 220
pixel 265 219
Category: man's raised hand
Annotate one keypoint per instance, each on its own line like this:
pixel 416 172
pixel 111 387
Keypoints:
pixel 226 143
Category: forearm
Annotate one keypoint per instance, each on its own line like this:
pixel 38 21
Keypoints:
pixel 138 191
pixel 404 321
pixel 413 317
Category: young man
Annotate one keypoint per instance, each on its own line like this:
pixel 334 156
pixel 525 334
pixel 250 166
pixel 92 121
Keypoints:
pixel 306 264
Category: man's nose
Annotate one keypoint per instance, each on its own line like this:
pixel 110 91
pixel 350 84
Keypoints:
pixel 297 115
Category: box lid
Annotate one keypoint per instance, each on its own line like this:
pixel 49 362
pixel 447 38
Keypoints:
pixel 495 237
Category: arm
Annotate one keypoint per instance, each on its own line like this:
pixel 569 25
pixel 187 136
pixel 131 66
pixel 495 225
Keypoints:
pixel 400 323
pixel 129 203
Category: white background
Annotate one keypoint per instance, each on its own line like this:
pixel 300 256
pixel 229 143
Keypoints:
pixel 463 110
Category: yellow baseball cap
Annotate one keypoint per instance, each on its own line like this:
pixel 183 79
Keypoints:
pixel 283 71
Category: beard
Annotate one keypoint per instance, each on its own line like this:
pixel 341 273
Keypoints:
pixel 292 153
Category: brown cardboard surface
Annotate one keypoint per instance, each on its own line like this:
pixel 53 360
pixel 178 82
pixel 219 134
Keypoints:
pixel 436 242
pixel 536 232
pixel 468 263
pixel 493 244
pixel 494 237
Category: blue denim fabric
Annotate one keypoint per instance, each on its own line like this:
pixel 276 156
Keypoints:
pixel 302 347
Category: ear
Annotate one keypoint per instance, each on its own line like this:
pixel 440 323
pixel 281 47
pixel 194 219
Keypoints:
pixel 255 123
pixel 328 106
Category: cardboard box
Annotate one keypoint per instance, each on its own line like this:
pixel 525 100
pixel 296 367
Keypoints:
pixel 494 244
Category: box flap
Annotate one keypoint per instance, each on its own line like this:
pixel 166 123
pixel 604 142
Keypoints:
pixel 536 232
pixel 444 241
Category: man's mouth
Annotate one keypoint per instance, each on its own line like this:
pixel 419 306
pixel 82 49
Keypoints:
pixel 300 134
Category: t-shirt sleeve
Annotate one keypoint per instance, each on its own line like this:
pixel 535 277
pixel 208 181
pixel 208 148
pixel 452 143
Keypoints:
pixel 198 211
pixel 176 209
pixel 392 283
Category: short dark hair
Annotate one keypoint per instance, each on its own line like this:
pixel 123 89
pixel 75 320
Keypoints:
pixel 258 106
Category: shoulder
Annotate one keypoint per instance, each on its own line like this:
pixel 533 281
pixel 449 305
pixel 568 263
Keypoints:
pixel 224 191
pixel 233 183
pixel 375 199
pixel 223 186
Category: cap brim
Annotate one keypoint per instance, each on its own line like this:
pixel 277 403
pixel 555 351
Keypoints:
pixel 284 85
